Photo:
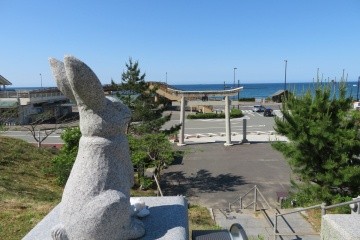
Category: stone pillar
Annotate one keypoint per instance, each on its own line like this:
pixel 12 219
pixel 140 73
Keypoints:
pixel 182 122
pixel 244 140
pixel 227 121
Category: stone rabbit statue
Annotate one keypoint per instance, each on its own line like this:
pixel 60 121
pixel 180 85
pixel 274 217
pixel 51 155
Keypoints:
pixel 96 199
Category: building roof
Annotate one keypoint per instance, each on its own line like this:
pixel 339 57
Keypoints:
pixel 279 92
pixel 4 81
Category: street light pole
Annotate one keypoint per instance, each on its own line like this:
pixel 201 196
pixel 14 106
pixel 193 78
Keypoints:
pixel 238 94
pixel 285 76
pixel 40 80
pixel 234 76
pixel 166 78
pixel 357 95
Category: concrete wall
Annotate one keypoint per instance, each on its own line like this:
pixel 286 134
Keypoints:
pixel 340 226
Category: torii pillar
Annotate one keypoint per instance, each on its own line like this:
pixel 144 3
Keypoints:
pixel 227 122
pixel 182 121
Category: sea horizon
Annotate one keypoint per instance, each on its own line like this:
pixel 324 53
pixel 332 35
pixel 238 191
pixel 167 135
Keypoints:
pixel 250 90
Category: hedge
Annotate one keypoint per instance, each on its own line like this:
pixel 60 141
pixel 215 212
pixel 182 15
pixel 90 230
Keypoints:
pixel 234 113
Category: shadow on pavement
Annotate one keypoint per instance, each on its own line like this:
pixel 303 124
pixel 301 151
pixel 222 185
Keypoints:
pixel 177 183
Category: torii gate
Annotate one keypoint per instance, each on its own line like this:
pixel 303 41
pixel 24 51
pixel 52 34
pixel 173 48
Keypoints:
pixel 187 94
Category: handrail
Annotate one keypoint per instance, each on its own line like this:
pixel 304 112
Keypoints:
pixel 300 210
pixel 240 199
pixel 253 202
pixel 264 198
pixel 236 199
pixel 342 204
pixel 323 212
pixel 248 192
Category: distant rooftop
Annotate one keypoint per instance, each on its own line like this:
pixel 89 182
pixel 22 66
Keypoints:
pixel 4 81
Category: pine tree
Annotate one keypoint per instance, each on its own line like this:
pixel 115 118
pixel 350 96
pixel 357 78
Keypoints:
pixel 148 143
pixel 146 111
pixel 324 139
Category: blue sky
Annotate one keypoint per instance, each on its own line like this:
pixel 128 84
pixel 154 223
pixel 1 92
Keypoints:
pixel 195 42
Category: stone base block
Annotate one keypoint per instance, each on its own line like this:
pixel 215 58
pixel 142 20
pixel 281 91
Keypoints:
pixel 168 220
pixel 340 226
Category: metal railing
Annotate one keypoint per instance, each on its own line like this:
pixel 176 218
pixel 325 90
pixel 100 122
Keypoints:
pixel 256 192
pixel 323 212
pixel 31 94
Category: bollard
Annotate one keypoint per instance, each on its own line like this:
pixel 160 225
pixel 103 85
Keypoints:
pixel 323 210
pixel 244 140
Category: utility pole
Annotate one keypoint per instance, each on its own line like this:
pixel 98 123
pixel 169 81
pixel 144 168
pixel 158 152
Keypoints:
pixel 238 94
pixel 40 80
pixel 357 95
pixel 234 76
pixel 285 76
pixel 285 79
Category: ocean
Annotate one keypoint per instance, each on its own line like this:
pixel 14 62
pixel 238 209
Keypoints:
pixel 251 90
pixel 264 90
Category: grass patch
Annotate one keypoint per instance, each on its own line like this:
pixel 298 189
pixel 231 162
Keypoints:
pixel 313 216
pixel 200 219
pixel 27 190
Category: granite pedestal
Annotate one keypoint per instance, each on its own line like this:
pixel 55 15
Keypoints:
pixel 168 220
pixel 340 226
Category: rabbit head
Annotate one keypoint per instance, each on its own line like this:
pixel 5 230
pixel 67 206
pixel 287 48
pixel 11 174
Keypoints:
pixel 99 115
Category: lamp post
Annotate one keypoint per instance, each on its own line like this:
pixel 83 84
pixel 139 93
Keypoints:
pixel 40 80
pixel 357 95
pixel 234 76
pixel 234 81
pixel 285 79
pixel 238 94
pixel 285 75
pixel 166 78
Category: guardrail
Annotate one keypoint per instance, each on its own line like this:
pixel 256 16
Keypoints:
pixel 323 212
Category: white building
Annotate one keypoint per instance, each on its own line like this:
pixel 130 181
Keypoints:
pixel 23 107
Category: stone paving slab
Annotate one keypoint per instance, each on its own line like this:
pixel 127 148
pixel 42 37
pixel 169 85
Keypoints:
pixel 253 225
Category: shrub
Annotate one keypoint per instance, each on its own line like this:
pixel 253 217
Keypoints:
pixel 247 99
pixel 234 113
pixel 62 164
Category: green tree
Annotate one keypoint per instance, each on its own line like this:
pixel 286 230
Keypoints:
pixel 63 162
pixel 150 150
pixel 149 144
pixel 147 109
pixel 324 144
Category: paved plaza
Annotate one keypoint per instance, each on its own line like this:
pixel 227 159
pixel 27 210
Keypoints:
pixel 213 175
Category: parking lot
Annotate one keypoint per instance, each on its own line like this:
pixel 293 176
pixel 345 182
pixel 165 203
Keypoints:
pixel 255 122
pixel 213 175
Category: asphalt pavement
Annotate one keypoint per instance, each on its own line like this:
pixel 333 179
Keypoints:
pixel 212 175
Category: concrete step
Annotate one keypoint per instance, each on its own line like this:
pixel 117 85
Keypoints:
pixel 260 223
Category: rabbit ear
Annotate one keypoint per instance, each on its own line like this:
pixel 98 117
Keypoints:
pixel 86 86
pixel 62 82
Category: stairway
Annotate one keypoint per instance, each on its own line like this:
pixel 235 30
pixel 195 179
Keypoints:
pixel 260 224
